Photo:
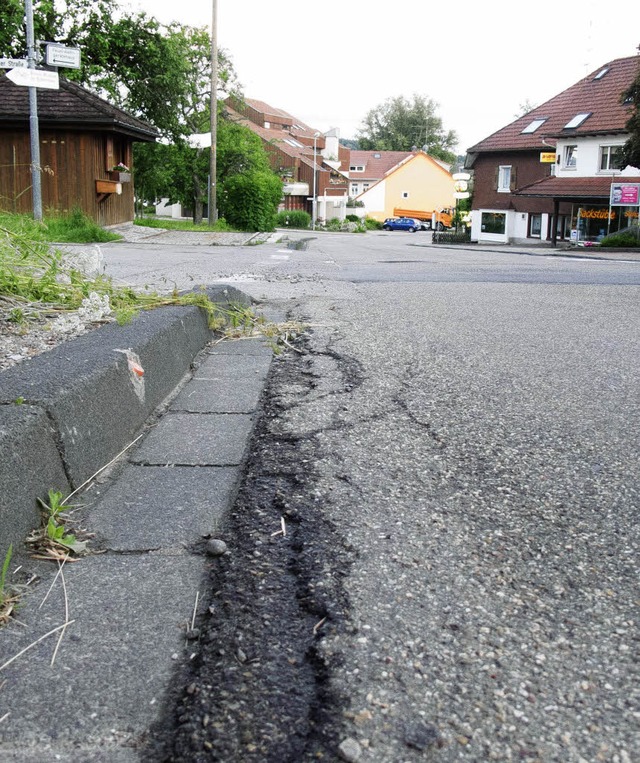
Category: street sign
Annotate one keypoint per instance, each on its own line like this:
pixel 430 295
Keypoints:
pixel 12 63
pixel 34 78
pixel 61 55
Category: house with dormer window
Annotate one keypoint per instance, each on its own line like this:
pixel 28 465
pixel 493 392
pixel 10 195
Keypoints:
pixel 550 175
pixel 312 165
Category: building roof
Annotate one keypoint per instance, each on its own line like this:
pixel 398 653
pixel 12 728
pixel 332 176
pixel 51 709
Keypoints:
pixel 376 163
pixel 598 96
pixel 283 139
pixel 70 106
pixel 574 187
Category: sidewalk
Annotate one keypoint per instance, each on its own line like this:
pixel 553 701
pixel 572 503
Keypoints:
pixel 129 610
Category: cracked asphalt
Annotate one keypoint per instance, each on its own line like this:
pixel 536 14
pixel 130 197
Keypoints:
pixel 454 456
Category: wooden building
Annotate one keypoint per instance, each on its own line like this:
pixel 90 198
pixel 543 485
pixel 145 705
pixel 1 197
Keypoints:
pixel 82 139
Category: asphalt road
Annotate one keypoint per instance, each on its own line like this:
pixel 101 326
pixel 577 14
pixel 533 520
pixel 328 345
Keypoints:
pixel 455 454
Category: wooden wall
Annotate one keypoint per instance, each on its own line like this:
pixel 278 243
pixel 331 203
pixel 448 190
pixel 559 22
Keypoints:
pixel 71 163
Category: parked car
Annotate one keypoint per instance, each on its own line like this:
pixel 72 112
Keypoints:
pixel 401 223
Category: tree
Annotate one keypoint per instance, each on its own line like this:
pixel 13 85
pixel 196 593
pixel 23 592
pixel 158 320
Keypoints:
pixel 402 125
pixel 631 149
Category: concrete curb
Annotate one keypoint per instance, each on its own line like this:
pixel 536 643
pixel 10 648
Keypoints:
pixel 84 401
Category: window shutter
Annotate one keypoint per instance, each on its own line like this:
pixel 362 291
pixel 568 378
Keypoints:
pixel 514 179
pixel 110 160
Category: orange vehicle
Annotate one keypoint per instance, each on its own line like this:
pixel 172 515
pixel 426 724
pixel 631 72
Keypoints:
pixel 437 219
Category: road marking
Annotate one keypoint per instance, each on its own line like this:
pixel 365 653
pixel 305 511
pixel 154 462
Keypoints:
pixel 280 256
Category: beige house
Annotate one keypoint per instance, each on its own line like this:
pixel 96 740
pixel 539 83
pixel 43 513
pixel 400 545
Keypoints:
pixel 418 183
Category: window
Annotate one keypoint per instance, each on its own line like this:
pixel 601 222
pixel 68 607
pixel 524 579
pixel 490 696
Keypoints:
pixel 493 222
pixel 366 185
pixel 356 168
pixel 533 126
pixel 354 189
pixel 535 225
pixel 405 194
pixel 504 179
pixel 601 73
pixel 570 159
pixel 293 142
pixel 611 158
pixel 577 120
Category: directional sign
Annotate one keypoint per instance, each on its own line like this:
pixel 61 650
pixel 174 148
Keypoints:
pixel 12 63
pixel 61 55
pixel 34 78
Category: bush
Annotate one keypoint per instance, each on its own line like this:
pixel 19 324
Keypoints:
pixel 352 218
pixel 627 240
pixel 293 218
pixel 249 201
pixel 372 224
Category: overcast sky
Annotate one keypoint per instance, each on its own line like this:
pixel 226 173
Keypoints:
pixel 330 62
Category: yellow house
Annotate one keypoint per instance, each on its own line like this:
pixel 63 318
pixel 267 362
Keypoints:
pixel 419 183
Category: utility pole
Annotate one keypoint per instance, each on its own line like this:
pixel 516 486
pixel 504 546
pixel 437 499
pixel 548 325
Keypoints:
pixel 213 165
pixel 36 181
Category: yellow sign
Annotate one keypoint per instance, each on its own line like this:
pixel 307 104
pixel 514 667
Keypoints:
pixel 547 158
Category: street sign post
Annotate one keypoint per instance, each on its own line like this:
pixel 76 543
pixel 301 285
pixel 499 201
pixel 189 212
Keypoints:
pixel 34 78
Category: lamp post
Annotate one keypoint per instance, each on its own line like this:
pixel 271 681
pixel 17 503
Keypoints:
pixel 315 172
pixel 213 156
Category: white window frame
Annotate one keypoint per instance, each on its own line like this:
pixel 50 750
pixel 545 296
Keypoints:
pixel 608 151
pixel 570 157
pixel 356 168
pixel 504 178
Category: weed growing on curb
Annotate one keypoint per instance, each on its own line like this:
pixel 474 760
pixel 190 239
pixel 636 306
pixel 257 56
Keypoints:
pixel 52 540
pixel 8 597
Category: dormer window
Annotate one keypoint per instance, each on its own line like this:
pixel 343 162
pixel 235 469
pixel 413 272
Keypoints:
pixel 533 126
pixel 577 120
pixel 356 168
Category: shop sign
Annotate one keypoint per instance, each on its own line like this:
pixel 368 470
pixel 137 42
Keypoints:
pixel 625 194
pixel 547 157
pixel 597 214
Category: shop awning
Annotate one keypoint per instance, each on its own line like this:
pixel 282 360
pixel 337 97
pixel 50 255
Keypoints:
pixel 574 188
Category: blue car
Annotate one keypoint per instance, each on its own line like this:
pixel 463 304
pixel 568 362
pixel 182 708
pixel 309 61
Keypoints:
pixel 401 223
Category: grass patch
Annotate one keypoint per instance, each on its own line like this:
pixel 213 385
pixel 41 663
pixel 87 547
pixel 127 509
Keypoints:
pixel 35 282
pixel 75 227
pixel 221 225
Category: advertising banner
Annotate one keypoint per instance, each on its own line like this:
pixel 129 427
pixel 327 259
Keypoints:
pixel 625 194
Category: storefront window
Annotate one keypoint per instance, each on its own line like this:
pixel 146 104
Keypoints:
pixel 493 222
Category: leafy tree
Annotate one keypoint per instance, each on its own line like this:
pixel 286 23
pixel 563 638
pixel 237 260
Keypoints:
pixel 631 149
pixel 400 125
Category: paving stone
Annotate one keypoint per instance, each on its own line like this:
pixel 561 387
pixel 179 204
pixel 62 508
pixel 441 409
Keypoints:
pixel 197 440
pixel 150 507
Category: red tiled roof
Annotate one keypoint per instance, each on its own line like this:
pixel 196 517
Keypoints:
pixel 277 137
pixel 600 97
pixel 376 163
pixel 574 187
pixel 69 105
